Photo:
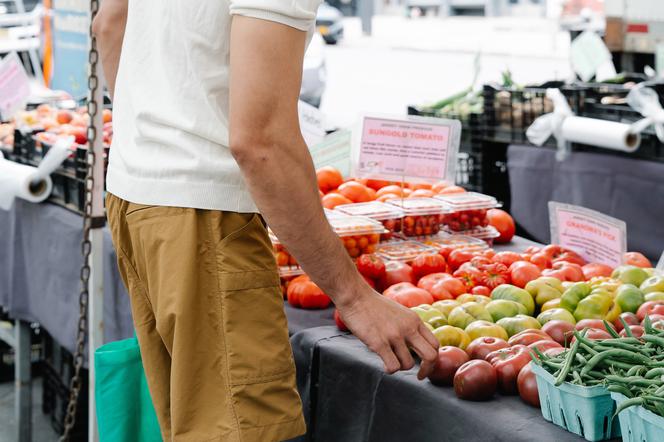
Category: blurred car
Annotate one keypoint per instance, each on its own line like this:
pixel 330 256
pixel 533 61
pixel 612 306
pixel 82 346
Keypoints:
pixel 329 23
pixel 314 74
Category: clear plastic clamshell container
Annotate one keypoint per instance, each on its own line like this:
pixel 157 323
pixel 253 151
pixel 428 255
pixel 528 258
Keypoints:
pixel 422 216
pixel 404 251
pixel 466 211
pixel 359 234
pixel 389 215
pixel 456 241
pixel 486 234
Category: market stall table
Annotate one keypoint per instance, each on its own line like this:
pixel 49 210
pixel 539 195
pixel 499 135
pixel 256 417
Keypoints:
pixel 347 397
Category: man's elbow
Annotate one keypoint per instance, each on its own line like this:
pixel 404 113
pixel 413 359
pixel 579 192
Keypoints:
pixel 249 151
pixel 110 19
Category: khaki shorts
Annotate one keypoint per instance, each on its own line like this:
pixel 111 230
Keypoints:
pixel 209 318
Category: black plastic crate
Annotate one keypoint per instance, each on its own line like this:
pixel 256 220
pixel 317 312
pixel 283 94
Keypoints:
pixel 56 377
pixel 472 125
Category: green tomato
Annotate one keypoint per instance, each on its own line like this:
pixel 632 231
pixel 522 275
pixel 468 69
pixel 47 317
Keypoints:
pixel 597 307
pixel 630 275
pixel 502 308
pixel 653 284
pixel 466 313
pixel 424 313
pixel 629 298
pixel 437 321
pixel 574 294
pixel 654 296
pixel 556 313
pixel 545 289
pixel 518 324
pixel 513 293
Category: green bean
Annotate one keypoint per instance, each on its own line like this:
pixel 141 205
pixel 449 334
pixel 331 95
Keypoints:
pixel 632 380
pixel 579 357
pixel 628 331
pixel 653 398
pixel 634 341
pixel 617 364
pixel 617 388
pixel 576 377
pixel 622 345
pixel 609 328
pixel 647 325
pixel 659 391
pixel 654 372
pixel 538 355
pixel 568 360
pixel 632 371
pixel 654 339
pixel 589 349
pixel 607 354
pixel 596 374
pixel 628 403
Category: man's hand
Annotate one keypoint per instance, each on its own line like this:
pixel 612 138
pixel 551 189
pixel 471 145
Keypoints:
pixel 388 329
pixel 265 140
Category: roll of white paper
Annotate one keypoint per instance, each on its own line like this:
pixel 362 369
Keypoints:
pixel 18 180
pixel 607 134
pixel 31 183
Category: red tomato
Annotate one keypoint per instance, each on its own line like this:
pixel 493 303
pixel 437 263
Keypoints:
pixel 395 272
pixel 446 281
pixel 475 381
pixel 595 334
pixel 591 323
pixel 541 260
pixel 458 257
pixel 481 347
pixel 440 293
pixel 447 363
pixel 636 330
pixel 561 254
pixel 427 282
pixel 445 251
pixel 370 281
pixel 596 269
pixel 408 295
pixel 307 295
pixel 653 319
pixel 426 264
pixel 371 266
pixel 481 290
pixel 522 273
pixel 337 320
pixel 544 345
pixel 650 308
pixel 527 337
pixel 508 362
pixel 507 258
pixel 527 386
pixel 354 191
pixel 494 275
pixel 391 189
pixel 531 250
pixel 333 199
pixel 329 178
pixel 377 184
pixel 560 331
pixel 636 259
pixel 489 253
pixel 503 222
pixel 629 317
pixel 565 271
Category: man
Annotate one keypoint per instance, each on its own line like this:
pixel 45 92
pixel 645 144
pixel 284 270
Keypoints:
pixel 206 138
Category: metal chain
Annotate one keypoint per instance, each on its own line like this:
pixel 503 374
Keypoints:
pixel 86 245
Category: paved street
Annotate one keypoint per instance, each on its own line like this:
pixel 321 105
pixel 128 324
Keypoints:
pixel 414 61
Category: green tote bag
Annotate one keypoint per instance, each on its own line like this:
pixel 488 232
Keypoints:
pixel 124 406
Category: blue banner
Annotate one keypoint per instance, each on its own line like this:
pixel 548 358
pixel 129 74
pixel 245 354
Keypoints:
pixel 70 46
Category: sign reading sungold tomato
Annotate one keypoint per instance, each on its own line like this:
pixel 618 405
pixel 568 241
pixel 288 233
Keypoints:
pixel 593 235
pixel 410 148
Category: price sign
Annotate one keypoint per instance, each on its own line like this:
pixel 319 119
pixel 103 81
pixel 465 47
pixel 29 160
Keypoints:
pixel 311 123
pixel 333 151
pixel 14 86
pixel 595 236
pixel 412 148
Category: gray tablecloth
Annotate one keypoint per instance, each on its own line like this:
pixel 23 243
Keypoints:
pixel 39 267
pixel 347 397
pixel 628 189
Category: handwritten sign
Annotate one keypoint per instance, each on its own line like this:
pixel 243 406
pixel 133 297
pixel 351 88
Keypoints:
pixel 595 236
pixel 71 23
pixel 413 148
pixel 333 151
pixel 311 123
pixel 14 86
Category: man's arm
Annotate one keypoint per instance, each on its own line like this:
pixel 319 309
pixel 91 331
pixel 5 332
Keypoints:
pixel 109 28
pixel 265 139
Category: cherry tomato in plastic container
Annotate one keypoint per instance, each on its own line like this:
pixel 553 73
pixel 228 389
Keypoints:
pixel 388 215
pixel 421 216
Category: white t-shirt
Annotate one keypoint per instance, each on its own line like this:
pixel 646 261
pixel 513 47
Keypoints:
pixel 170 116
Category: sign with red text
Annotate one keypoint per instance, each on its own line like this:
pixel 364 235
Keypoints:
pixel 407 148
pixel 14 86
pixel 595 236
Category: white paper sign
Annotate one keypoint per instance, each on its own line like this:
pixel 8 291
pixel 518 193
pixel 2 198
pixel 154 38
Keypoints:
pixel 595 236
pixel 589 56
pixel 312 123
pixel 660 263
pixel 659 59
pixel 406 148
pixel 333 151
pixel 14 86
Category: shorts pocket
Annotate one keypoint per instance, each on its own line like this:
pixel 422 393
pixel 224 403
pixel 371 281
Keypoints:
pixel 255 327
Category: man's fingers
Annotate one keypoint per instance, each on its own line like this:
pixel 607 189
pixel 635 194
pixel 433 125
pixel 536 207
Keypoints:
pixel 426 352
pixel 390 360
pixel 424 331
pixel 402 352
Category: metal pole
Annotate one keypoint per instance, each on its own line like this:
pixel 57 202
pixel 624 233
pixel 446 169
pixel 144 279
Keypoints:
pixel 96 300
pixel 23 380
